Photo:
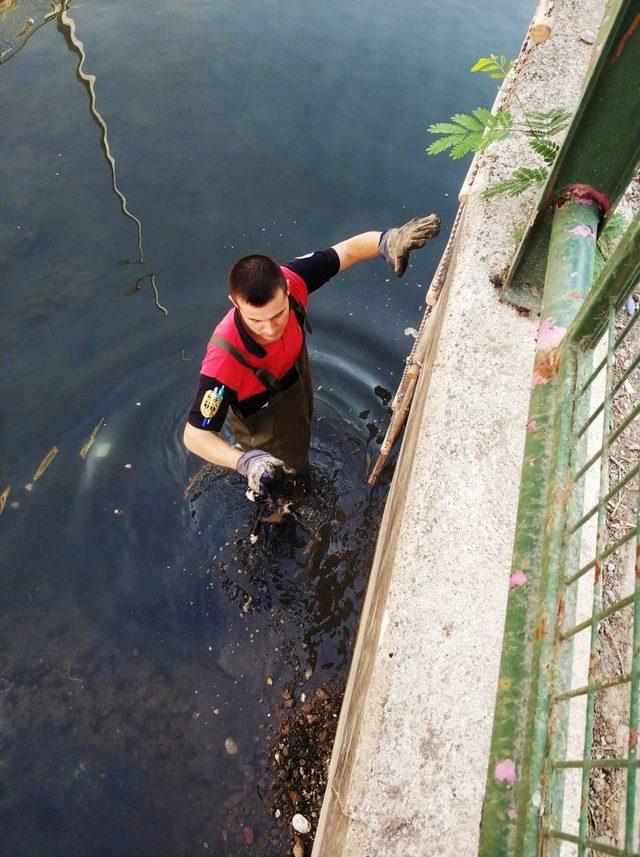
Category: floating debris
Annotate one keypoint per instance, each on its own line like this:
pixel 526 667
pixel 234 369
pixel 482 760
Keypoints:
pixel 118 512
pixel 411 331
pixel 46 461
pixel 28 24
pixel 92 439
pixel 128 466
pixel 3 498
pixel 230 746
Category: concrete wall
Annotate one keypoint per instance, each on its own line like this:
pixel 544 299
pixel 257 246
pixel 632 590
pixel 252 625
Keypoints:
pixel 408 769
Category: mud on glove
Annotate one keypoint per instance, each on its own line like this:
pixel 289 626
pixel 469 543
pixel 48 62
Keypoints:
pixel 260 469
pixel 396 244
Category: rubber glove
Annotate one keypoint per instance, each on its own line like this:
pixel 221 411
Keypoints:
pixel 396 244
pixel 261 469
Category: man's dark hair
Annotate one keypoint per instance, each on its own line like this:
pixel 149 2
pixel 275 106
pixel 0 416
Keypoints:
pixel 256 279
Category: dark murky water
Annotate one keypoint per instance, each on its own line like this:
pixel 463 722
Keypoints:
pixel 135 644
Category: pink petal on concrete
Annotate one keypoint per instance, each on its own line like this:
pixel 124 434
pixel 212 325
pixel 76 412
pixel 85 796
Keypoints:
pixel 584 230
pixel 513 814
pixel 506 771
pixel 518 578
pixel 550 334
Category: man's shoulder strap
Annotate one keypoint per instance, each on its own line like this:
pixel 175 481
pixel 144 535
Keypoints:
pixel 263 375
pixel 301 314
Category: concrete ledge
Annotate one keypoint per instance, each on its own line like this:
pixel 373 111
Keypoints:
pixel 409 762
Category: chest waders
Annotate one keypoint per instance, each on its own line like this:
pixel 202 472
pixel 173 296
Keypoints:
pixel 283 426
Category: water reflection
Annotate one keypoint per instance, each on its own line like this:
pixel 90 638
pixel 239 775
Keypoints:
pixel 67 26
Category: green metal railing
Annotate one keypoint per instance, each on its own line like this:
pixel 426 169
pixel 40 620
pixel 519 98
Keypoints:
pixel 553 788
pixel 565 491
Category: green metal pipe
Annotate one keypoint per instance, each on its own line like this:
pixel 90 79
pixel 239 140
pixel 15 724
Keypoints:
pixel 601 148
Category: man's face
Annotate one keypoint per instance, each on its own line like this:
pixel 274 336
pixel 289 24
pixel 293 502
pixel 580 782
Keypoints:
pixel 266 323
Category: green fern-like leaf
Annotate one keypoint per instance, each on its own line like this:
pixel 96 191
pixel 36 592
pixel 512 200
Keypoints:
pixel 484 116
pixel 444 128
pixel 546 148
pixel 470 143
pixel 496 66
pixel 469 122
pixel 485 64
pixel 522 179
pixel 546 123
pixel 470 133
pixel 442 144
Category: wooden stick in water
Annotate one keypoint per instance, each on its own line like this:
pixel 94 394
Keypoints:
pixel 46 461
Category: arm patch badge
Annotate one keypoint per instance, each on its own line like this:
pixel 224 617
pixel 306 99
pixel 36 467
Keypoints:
pixel 211 402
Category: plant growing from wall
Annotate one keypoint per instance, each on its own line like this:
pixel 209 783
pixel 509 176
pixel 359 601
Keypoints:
pixel 474 132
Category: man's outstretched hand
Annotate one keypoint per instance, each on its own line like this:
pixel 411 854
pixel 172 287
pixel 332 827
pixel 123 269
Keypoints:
pixel 261 470
pixel 396 244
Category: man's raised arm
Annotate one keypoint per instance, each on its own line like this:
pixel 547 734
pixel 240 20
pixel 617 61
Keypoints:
pixel 394 245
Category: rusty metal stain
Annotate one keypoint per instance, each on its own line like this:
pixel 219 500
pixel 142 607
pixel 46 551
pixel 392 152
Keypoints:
pixel 625 37
pixel 546 367
pixel 542 628
pixel 563 494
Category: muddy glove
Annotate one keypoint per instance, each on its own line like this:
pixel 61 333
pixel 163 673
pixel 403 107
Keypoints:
pixel 260 469
pixel 396 244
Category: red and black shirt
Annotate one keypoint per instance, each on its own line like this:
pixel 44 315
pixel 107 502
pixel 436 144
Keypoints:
pixel 237 386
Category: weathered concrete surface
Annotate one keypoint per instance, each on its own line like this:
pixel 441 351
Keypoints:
pixel 409 764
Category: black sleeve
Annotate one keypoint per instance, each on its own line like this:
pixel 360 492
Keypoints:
pixel 220 399
pixel 315 268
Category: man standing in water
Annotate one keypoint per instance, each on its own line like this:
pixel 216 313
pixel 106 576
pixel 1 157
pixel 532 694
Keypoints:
pixel 257 363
